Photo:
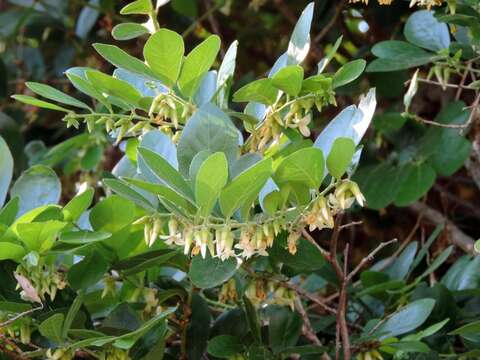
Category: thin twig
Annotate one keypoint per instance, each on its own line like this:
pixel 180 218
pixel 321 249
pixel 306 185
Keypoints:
pixel 308 331
pixel 353 223
pixel 309 296
pixel 311 240
pixel 20 315
pixel 331 23
pixel 369 258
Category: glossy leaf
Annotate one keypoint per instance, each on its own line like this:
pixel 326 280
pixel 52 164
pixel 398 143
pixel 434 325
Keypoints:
pixel 304 166
pixel 51 93
pixel 210 272
pixel 128 31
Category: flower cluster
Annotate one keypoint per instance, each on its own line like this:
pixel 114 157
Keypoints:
pixel 244 240
pixel 293 114
pixel 45 278
pixel 168 107
pixel 261 292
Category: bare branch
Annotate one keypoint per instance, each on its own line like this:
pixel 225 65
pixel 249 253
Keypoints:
pixel 369 258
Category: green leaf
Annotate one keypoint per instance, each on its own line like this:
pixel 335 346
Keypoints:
pixel 225 74
pixel 388 65
pixel 11 251
pixel 406 319
pixel 208 129
pixel 114 87
pixel 165 172
pixel 403 263
pixel 304 166
pixel 380 183
pixel 128 31
pixel 9 212
pixel 39 236
pixel 424 30
pixel 53 94
pixel 120 59
pixel 467 330
pixel 142 7
pixel 349 72
pixel 210 272
pixel 52 327
pixel 340 156
pixel 196 64
pixel 6 168
pixel 128 192
pixel 210 180
pixel 82 237
pixel 198 330
pixel 164 192
pixel 262 91
pixel 37 186
pixel 87 88
pixel 112 214
pixel 72 313
pixel 224 346
pixel 252 320
pixel 29 100
pixel 285 327
pixel 78 205
pixel 420 179
pixel 87 272
pixel 163 52
pixel 439 260
pixel 144 261
pixel 289 79
pixel 244 188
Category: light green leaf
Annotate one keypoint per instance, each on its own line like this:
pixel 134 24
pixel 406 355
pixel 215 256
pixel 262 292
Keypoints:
pixel 82 237
pixel 210 272
pixel 72 313
pixel 225 74
pixel 128 31
pixel 289 79
pixel 9 212
pixel 210 180
pixel 262 91
pixel 6 169
pixel 78 205
pixel 243 189
pixel 11 251
pixel 340 156
pixel 349 72
pixel 196 64
pixel 142 7
pixel 29 100
pixel 120 59
pixel 304 166
pixel 112 214
pixel 39 236
pixel 51 93
pixel 52 327
pixel 164 54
